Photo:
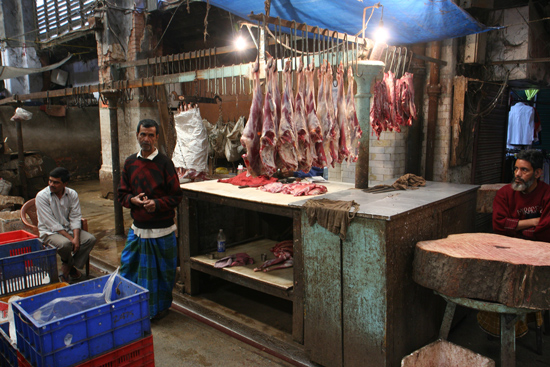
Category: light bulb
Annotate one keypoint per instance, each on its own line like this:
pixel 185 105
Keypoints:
pixel 240 43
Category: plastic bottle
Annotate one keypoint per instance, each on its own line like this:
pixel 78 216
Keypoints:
pixel 221 243
pixel 240 169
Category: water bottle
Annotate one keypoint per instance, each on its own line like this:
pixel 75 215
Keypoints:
pixel 240 169
pixel 221 243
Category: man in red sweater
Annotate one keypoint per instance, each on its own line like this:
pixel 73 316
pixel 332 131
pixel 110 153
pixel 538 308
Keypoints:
pixel 522 208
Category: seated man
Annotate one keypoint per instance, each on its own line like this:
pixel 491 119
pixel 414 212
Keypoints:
pixel 59 222
pixel 521 209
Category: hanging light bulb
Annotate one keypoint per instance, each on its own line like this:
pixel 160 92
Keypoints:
pixel 381 33
pixel 240 43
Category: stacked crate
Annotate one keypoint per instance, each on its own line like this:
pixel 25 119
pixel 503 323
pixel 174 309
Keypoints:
pixel 112 334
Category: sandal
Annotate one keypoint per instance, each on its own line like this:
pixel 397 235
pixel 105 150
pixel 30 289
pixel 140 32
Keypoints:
pixel 74 274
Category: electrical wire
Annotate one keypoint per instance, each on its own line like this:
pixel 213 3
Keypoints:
pixel 168 25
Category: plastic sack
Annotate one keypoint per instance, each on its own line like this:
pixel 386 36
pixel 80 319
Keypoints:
pixel 191 151
pixel 216 138
pixel 233 146
pixel 21 114
pixel 13 333
pixel 65 306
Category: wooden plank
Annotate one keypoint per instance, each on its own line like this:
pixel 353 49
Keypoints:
pixel 282 278
pixel 488 267
pixel 322 294
pixel 298 304
pixel 364 293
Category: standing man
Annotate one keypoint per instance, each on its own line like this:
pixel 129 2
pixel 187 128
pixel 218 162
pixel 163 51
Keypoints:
pixel 149 186
pixel 522 208
pixel 59 224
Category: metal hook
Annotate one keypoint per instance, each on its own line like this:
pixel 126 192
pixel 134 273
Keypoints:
pixel 404 61
pixel 142 95
pixel 356 57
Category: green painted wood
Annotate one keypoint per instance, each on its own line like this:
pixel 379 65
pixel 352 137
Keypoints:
pixel 322 294
pixel 364 293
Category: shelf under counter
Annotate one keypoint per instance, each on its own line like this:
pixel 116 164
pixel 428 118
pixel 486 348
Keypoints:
pixel 278 282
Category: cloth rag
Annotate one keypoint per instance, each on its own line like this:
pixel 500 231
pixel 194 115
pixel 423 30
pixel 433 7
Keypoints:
pixel 333 215
pixel 408 181
pixel 240 259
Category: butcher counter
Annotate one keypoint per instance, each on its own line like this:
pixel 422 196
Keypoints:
pixel 355 295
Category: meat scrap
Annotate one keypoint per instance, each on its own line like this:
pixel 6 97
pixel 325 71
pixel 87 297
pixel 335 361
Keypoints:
pixel 300 123
pixel 283 252
pixel 240 259
pixel 296 188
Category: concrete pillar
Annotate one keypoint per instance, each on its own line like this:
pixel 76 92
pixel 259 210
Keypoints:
pixel 367 71
pixel 17 27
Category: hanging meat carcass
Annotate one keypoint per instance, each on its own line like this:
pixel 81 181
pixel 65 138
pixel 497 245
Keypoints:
pixel 270 127
pixel 314 127
pixel 286 144
pixel 353 122
pixel 251 133
pixel 390 108
pixel 342 117
pixel 334 134
pixel 299 120
pixel 322 113
pixel 406 98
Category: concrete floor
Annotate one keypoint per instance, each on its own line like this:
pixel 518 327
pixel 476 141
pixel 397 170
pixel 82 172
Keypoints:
pixel 233 326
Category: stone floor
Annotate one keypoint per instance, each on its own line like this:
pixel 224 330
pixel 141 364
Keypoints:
pixel 233 326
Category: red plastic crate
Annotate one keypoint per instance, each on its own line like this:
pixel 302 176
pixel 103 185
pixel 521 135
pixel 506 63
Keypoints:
pixel 136 354
pixel 15 236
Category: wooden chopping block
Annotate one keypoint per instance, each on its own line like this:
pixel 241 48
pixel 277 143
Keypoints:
pixel 486 266
pixel 485 196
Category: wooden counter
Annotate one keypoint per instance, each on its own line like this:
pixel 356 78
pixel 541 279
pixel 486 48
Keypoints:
pixel 356 296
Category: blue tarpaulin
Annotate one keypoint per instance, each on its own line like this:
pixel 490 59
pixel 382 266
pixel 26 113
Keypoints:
pixel 407 21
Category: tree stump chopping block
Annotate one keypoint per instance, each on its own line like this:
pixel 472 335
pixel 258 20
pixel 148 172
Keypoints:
pixel 485 266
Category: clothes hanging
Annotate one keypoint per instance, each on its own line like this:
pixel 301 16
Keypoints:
pixel 521 125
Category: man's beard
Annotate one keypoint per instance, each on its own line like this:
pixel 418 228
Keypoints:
pixel 522 186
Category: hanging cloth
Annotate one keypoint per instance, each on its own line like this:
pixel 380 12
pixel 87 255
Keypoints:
pixel 530 93
pixel 521 125
pixel 334 215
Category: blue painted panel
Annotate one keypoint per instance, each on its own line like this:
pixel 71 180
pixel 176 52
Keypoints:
pixel 322 294
pixel 364 293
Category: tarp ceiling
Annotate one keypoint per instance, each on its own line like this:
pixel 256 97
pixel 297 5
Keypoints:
pixel 8 72
pixel 407 21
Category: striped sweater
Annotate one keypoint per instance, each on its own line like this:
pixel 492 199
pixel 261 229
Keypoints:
pixel 156 178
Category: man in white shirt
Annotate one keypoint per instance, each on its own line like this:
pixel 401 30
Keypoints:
pixel 59 224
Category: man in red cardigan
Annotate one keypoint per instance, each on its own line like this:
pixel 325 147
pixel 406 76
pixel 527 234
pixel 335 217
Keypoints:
pixel 522 208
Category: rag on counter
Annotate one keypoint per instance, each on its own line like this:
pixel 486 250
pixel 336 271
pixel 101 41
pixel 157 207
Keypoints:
pixel 240 259
pixel 333 215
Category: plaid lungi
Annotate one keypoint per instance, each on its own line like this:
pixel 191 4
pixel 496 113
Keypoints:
pixel 151 263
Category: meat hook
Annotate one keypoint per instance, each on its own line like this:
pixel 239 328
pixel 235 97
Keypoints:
pixel 397 63
pixel 356 58
pixel 306 40
pixel 142 96
pixel 404 61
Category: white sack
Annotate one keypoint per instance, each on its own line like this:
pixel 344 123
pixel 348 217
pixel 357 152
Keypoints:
pixel 233 146
pixel 191 151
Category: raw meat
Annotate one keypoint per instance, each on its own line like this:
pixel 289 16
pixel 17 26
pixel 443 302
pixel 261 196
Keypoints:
pixel 342 117
pixel 406 100
pixel 300 123
pixel 322 113
pixel 377 118
pixel 251 133
pixel 286 144
pixel 283 252
pixel 334 134
pixel 268 140
pixel 390 108
pixel 353 122
pixel 314 126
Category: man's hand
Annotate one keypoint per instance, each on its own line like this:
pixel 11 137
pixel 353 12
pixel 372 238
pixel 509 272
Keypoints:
pixel 76 245
pixel 139 200
pixel 149 205
pixel 527 223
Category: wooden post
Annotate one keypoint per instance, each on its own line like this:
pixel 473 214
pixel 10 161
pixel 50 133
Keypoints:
pixel 367 71
pixel 112 98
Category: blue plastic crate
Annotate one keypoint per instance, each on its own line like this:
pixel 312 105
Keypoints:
pixel 8 353
pixel 25 265
pixel 91 332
